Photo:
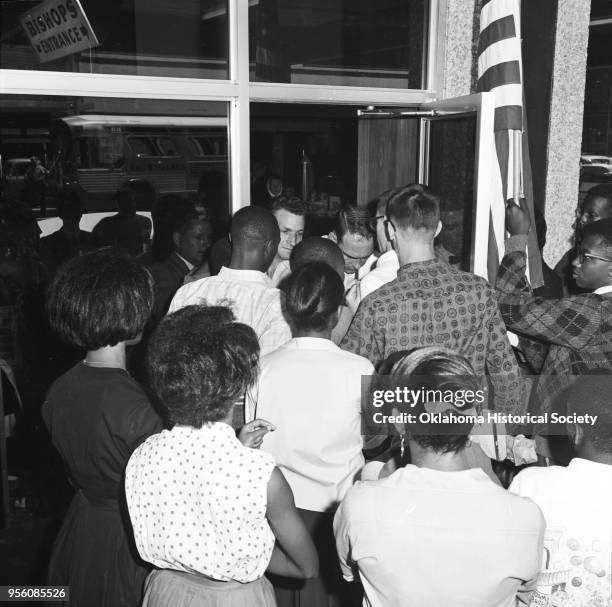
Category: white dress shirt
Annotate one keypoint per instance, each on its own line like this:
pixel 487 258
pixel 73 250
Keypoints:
pixel 311 391
pixel 603 290
pixel 384 271
pixel 281 271
pixel 197 500
pixel 250 295
pixel 433 538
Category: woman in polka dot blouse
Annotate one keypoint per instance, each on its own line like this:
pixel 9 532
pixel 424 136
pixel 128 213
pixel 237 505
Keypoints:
pixel 206 509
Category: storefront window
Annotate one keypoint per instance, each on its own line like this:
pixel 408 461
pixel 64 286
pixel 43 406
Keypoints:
pixel 182 38
pixel 307 151
pixel 358 43
pixel 90 147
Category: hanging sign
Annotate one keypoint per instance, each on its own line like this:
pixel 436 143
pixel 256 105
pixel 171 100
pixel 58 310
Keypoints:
pixel 57 28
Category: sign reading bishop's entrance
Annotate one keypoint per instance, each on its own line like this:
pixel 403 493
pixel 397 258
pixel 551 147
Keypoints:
pixel 57 28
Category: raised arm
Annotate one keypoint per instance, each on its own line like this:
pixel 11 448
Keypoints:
pixel 294 554
pixel 572 321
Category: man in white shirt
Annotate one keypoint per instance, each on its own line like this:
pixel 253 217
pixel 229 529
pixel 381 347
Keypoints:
pixel 577 504
pixel 386 266
pixel 290 213
pixel 354 235
pixel 244 285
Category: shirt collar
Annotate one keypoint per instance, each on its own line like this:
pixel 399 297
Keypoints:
pixel 189 265
pixel 282 267
pixel 311 343
pixel 231 274
pixel 603 290
pixel 388 258
pixel 363 269
pixel 415 265
pixel 208 428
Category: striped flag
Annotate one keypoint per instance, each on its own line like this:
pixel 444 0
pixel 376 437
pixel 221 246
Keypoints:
pixel 500 72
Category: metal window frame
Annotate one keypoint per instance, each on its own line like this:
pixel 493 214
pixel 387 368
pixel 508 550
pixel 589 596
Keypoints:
pixel 237 90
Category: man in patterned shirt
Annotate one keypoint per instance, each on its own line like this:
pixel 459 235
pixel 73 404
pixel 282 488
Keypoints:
pixel 576 330
pixel 433 303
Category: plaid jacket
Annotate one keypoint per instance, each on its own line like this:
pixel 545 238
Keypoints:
pixel 577 328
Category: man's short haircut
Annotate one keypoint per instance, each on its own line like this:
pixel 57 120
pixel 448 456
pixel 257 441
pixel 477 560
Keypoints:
pixel 378 206
pixel 352 219
pixel 254 224
pixel 434 368
pixel 314 294
pixel 601 190
pixel 414 206
pixel 601 229
pixel 316 248
pixel 100 299
pixel 199 362
pixel 592 395
pixel 291 204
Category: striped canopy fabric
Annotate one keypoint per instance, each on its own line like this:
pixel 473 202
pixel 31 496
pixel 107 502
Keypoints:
pixel 500 72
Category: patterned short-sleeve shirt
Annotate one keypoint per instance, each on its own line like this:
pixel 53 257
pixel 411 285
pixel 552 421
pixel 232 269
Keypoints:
pixel 431 303
pixel 197 501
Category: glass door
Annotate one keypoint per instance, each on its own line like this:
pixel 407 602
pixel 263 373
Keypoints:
pixel 448 145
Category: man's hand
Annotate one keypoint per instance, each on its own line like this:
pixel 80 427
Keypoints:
pixel 251 434
pixel 517 218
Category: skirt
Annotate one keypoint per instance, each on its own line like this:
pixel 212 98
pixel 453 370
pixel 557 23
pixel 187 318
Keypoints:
pixel 94 555
pixel 169 588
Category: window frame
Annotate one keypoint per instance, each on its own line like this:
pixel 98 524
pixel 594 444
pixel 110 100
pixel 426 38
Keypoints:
pixel 237 91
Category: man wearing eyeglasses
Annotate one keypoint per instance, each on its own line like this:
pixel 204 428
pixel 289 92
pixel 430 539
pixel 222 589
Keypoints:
pixel 431 302
pixel 577 330
pixel 597 205
pixel 354 235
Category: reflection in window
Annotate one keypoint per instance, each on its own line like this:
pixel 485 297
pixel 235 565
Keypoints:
pixel 452 146
pixel 208 146
pixel 143 146
pixel 165 146
pixel 140 37
pixel 91 147
pixel 357 43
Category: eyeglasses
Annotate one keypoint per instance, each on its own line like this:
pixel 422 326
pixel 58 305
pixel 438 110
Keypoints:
pixel 581 256
pixel 355 258
pixel 374 221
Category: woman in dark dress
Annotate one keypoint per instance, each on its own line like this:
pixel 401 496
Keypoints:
pixel 97 415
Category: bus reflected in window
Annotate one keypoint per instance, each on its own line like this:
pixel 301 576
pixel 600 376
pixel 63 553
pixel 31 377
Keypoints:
pixel 95 154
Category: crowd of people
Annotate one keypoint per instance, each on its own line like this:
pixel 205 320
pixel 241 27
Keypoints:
pixel 214 427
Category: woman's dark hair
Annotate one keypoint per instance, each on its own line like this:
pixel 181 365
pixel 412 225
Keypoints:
pixel 314 293
pixel 100 299
pixel 436 369
pixel 199 362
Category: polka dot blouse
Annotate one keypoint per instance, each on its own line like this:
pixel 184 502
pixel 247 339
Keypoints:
pixel 197 502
